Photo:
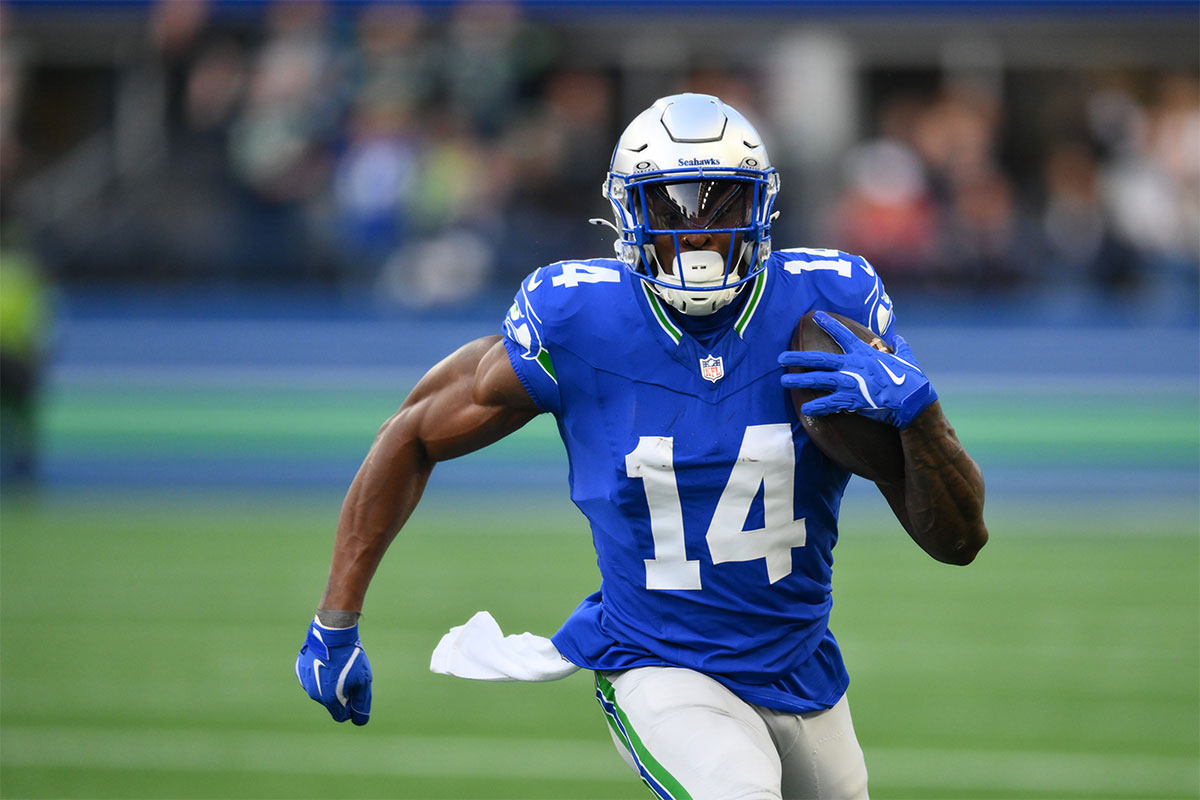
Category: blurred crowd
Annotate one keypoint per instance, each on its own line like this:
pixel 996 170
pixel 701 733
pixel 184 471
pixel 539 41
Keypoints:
pixel 433 156
pixel 1108 199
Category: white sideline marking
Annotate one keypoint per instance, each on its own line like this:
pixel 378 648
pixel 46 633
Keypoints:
pixel 342 751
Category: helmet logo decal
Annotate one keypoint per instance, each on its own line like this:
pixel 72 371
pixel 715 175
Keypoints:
pixel 699 162
pixel 712 368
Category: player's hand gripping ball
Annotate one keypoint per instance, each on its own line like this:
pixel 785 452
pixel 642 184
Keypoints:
pixel 837 365
pixel 334 670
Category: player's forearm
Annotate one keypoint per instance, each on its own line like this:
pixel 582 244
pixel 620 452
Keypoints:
pixel 384 493
pixel 943 490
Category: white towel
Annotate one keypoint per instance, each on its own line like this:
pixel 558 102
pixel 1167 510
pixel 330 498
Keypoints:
pixel 479 650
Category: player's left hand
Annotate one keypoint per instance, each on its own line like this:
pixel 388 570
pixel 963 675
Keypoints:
pixel 333 669
pixel 888 387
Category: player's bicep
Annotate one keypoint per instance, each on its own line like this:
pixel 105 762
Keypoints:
pixel 469 400
pixel 496 381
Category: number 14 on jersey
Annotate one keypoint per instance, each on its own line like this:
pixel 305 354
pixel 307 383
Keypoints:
pixel 766 460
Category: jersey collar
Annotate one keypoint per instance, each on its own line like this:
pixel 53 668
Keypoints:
pixel 671 328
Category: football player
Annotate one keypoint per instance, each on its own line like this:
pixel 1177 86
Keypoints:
pixel 712 512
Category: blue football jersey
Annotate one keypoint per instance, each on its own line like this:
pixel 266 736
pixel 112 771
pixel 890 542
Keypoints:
pixel 713 515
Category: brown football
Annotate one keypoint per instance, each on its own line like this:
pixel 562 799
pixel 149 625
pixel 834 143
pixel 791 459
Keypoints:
pixel 864 446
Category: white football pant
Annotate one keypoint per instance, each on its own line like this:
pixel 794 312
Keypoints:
pixel 687 735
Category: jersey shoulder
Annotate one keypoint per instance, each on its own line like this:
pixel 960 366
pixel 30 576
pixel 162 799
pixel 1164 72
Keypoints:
pixel 566 289
pixel 572 304
pixel 833 280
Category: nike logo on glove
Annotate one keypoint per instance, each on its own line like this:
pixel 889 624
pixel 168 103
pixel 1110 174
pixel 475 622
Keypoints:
pixel 341 684
pixel 862 386
pixel 896 379
pixel 317 664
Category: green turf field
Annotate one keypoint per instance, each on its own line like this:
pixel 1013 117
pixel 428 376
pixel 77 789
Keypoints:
pixel 148 638
pixel 231 421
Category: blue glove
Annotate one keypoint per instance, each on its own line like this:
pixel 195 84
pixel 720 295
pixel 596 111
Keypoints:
pixel 334 670
pixel 887 387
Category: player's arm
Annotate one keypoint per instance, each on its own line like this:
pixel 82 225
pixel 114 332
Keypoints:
pixel 940 500
pixel 469 400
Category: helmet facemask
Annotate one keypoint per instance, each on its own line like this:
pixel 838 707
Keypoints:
pixel 676 203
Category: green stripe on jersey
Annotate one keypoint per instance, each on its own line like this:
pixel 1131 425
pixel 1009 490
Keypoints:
pixel 543 360
pixel 756 293
pixel 660 313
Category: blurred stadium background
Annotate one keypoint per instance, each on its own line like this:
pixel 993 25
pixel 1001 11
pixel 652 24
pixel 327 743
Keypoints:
pixel 235 233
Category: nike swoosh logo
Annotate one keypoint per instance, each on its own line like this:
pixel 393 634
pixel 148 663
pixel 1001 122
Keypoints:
pixel 317 664
pixel 896 379
pixel 534 282
pixel 341 684
pixel 862 386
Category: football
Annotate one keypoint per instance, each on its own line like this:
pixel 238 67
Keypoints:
pixel 863 446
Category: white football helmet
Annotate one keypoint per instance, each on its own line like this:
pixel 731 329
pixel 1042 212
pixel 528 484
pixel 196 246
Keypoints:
pixel 691 162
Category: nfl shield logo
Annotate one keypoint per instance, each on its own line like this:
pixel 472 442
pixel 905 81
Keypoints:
pixel 711 368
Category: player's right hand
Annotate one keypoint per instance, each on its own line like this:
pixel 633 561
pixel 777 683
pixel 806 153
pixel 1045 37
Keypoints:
pixel 334 670
pixel 888 387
